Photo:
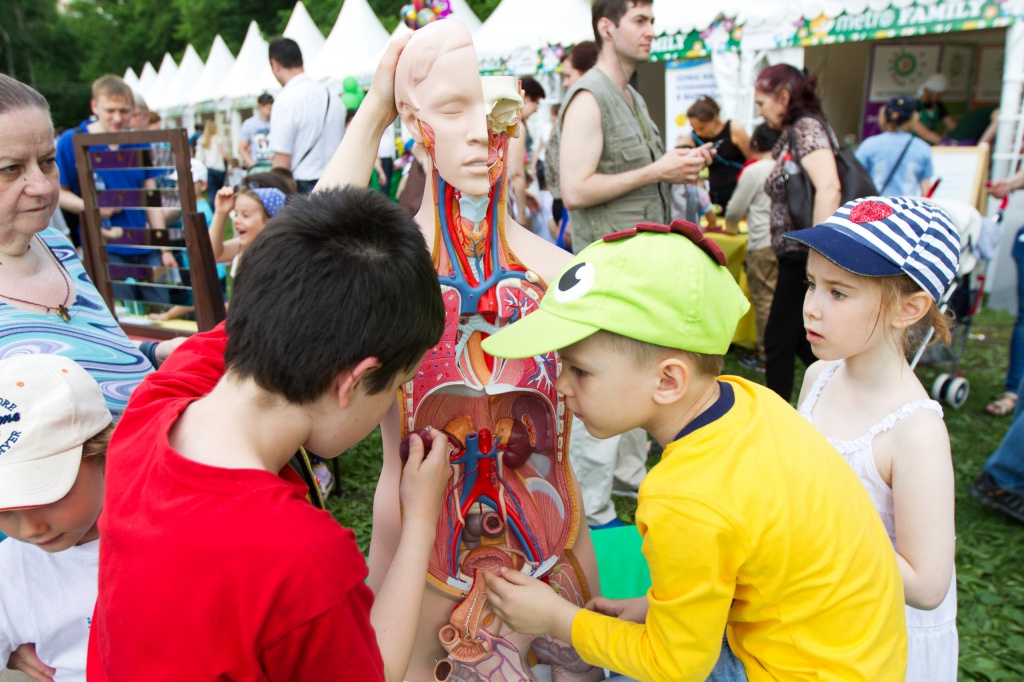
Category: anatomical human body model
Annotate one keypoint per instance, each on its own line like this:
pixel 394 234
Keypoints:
pixel 512 500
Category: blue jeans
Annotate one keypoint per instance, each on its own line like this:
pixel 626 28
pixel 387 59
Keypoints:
pixel 1016 371
pixel 1006 465
pixel 728 668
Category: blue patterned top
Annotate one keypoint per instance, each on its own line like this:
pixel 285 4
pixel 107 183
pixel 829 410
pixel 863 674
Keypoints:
pixel 92 338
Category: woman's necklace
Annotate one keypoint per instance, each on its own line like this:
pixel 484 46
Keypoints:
pixel 62 308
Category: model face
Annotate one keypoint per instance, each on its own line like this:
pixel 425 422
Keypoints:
pixel 772 108
pixel 632 37
pixel 112 113
pixel 841 310
pixel 69 521
pixel 569 74
pixel 250 218
pixel 454 122
pixel 603 387
pixel 29 179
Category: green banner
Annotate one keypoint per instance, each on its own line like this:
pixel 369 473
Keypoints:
pixel 721 36
pixel 897 22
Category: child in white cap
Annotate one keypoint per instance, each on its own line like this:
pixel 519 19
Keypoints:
pixel 876 269
pixel 54 429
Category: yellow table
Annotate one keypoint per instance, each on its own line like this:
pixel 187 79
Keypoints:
pixel 734 246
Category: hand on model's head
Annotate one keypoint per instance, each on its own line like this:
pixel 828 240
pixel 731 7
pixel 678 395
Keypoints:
pixel 383 87
pixel 224 200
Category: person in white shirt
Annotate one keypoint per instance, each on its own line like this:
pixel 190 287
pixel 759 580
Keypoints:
pixel 54 430
pixel 307 120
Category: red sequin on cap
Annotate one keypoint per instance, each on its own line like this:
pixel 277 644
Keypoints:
pixel 870 211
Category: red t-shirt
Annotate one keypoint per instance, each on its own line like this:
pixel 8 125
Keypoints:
pixel 219 574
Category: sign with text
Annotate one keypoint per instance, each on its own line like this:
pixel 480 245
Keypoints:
pixel 898 22
pixel 685 81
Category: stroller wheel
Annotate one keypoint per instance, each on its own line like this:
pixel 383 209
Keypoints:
pixel 939 387
pixel 957 391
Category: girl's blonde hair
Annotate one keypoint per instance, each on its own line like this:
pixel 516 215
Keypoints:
pixel 894 290
pixel 888 126
pixel 209 132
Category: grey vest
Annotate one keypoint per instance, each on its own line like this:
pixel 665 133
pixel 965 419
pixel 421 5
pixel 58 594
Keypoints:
pixel 625 149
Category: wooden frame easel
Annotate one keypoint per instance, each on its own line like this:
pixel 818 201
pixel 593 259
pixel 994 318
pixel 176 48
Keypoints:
pixel 136 150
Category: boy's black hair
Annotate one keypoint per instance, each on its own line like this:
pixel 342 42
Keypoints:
pixel 532 90
pixel 265 98
pixel 336 277
pixel 764 138
pixel 285 52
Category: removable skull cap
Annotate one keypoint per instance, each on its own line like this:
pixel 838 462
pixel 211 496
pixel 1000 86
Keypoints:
pixel 664 285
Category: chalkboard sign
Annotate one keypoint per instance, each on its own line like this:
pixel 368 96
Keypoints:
pixel 963 171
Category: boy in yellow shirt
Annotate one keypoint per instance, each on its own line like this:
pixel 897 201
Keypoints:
pixel 751 522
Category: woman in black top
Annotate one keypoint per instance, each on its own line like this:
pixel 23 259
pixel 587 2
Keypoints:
pixel 732 152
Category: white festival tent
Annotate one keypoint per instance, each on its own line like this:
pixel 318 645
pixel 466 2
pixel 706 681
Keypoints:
pixel 462 12
pixel 176 93
pixel 251 67
pixel 146 79
pixel 303 31
pixel 131 79
pixel 517 29
pixel 218 65
pixel 164 75
pixel 356 39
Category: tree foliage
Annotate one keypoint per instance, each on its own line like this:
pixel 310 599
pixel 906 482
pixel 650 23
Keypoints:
pixel 62 52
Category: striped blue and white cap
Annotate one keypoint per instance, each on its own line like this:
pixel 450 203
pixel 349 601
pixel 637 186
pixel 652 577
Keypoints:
pixel 886 236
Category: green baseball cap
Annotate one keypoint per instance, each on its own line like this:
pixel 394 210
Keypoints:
pixel 664 285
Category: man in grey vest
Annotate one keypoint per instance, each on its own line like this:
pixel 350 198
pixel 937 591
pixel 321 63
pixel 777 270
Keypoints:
pixel 614 173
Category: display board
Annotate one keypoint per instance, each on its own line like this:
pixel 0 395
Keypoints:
pixel 963 172
pixel 988 81
pixel 896 69
pixel 685 81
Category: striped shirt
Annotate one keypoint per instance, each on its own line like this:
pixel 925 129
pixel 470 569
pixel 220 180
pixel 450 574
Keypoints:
pixel 92 338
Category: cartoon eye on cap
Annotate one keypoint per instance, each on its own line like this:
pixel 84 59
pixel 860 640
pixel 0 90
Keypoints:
pixel 575 283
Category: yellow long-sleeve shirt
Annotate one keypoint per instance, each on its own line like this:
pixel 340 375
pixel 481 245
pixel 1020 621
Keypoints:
pixel 754 521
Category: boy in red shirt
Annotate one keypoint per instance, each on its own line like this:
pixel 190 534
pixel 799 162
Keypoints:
pixel 214 564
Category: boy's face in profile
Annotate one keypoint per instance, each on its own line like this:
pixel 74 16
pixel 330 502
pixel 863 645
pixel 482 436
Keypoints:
pixel 341 428
pixel 605 388
pixel 69 521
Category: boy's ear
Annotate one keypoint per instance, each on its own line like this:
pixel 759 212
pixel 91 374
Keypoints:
pixel 912 309
pixel 674 377
pixel 348 382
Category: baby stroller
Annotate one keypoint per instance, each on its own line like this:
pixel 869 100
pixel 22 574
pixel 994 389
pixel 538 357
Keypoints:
pixel 962 298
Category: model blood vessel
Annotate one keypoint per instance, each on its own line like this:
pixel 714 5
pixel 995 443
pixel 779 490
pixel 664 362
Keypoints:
pixel 512 500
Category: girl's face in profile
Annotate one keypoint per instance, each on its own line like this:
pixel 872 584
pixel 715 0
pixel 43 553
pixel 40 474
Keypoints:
pixel 250 217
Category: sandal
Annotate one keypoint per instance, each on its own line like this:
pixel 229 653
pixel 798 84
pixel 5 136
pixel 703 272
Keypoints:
pixel 1003 405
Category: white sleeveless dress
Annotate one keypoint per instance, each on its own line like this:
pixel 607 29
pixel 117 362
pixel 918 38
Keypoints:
pixel 932 637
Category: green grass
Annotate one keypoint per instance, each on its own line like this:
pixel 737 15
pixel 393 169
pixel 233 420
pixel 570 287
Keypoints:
pixel 989 546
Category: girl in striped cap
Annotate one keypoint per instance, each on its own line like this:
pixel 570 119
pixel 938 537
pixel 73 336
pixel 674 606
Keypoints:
pixel 876 270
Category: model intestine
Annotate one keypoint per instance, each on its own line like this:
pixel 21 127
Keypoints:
pixel 512 500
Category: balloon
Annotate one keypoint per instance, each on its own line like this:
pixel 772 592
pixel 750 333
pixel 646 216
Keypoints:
pixel 442 7
pixel 419 4
pixel 409 16
pixel 425 16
